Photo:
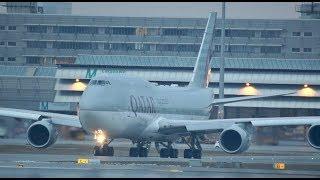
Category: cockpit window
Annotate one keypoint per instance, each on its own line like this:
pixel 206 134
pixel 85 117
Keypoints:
pixel 100 82
pixel 93 82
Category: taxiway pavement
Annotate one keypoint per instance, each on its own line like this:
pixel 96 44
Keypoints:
pixel 60 160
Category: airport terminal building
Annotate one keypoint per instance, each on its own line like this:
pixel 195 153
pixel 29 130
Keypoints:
pixel 46 60
pixel 43 39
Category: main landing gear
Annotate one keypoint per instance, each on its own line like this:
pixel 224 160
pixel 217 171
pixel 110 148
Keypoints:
pixel 103 150
pixel 195 150
pixel 168 151
pixel 141 150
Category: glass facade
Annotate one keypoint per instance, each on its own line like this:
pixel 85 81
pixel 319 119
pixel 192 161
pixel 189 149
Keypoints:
pixel 51 36
pixel 270 49
pixel 37 29
pixel 36 44
pixel 33 60
pixel 75 30
pixel 74 45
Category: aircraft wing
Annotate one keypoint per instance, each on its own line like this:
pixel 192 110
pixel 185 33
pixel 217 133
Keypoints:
pixel 55 118
pixel 167 126
pixel 237 99
pixel 171 126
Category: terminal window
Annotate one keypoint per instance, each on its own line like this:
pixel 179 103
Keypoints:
pixel 165 47
pixel 295 49
pixel 75 30
pixel 307 50
pixel 270 49
pixel 182 32
pixel 123 30
pixel 141 31
pixel 217 48
pixel 241 49
pixel 217 33
pixel 270 34
pixel 107 46
pixel 123 46
pixel 74 45
pixel 108 30
pixel 12 43
pixel 296 34
pixel 239 33
pixel 142 47
pixel 11 59
pixel 2 43
pixel 2 28
pixel 178 47
pixel 307 34
pixel 188 47
pixel 174 32
pixel 33 60
pixel 37 29
pixel 36 44
pixel 12 28
pixel 1 58
pixel 153 31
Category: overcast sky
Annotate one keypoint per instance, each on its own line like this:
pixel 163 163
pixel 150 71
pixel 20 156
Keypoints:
pixel 242 10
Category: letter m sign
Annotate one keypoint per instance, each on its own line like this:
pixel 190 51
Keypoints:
pixel 91 73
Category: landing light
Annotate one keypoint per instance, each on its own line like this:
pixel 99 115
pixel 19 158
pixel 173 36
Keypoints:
pixel 306 85
pixel 77 80
pixel 247 84
pixel 100 136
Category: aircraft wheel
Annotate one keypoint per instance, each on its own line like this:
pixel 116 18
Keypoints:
pixel 196 153
pixel 96 151
pixel 187 153
pixel 174 153
pixel 143 152
pixel 107 151
pixel 134 152
pixel 164 153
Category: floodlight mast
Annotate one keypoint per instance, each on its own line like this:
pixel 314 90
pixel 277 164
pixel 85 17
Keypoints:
pixel 221 77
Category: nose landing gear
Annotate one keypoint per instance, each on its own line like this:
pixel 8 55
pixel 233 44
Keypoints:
pixel 103 150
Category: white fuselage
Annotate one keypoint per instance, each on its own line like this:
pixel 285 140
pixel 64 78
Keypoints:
pixel 126 107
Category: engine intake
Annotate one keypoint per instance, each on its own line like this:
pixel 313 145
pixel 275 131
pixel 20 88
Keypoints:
pixel 313 136
pixel 234 139
pixel 42 134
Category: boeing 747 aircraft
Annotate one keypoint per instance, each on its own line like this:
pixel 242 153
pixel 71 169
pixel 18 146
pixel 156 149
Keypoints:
pixel 115 106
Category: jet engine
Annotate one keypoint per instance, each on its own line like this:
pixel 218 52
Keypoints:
pixel 313 136
pixel 42 134
pixel 235 139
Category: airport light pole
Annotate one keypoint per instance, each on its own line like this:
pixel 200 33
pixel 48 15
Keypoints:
pixel 221 77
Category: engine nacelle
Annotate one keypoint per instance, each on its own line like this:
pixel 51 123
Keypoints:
pixel 42 134
pixel 234 139
pixel 313 136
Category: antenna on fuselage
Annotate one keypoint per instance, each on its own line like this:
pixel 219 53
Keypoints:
pixel 200 76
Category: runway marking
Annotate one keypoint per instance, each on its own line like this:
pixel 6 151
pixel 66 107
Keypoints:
pixel 175 170
pixel 186 170
pixel 64 148
pixel 56 168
